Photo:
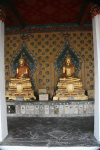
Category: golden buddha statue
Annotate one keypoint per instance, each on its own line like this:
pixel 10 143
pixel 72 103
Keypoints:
pixel 20 86
pixel 69 87
pixel 22 70
pixel 68 69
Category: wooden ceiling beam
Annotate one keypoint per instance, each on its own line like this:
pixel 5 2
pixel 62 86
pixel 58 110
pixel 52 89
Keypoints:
pixel 13 17
pixel 85 14
pixel 81 12
pixel 10 3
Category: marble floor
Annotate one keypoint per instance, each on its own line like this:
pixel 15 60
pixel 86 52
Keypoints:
pixel 51 132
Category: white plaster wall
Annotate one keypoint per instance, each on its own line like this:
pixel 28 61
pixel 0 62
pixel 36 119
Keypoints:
pixel 96 43
pixel 3 116
pixel 46 148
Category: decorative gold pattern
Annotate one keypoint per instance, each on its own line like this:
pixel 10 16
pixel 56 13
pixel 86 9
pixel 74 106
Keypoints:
pixel 44 49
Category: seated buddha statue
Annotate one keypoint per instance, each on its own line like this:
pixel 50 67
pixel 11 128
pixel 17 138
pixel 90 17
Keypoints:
pixel 20 87
pixel 69 68
pixel 22 70
pixel 69 87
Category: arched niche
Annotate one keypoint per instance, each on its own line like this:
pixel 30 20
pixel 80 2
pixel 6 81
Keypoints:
pixel 30 59
pixel 60 59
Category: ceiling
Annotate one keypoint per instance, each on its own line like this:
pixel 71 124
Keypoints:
pixel 21 13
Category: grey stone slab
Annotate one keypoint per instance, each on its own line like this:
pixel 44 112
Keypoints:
pixel 55 131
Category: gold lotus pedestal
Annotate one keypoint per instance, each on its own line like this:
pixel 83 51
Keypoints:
pixel 70 89
pixel 20 88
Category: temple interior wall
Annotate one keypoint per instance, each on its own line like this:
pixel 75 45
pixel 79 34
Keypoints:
pixel 45 47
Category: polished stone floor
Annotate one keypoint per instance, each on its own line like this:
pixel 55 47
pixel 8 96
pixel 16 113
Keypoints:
pixel 76 131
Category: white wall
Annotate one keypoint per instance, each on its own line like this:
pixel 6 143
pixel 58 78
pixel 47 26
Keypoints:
pixel 96 44
pixel 3 118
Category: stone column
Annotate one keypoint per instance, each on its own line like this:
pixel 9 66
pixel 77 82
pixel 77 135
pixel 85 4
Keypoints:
pixel 3 114
pixel 95 13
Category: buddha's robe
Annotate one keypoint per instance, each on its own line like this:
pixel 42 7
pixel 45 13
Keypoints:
pixel 69 71
pixel 23 70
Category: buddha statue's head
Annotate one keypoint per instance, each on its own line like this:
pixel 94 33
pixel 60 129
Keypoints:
pixel 68 60
pixel 21 61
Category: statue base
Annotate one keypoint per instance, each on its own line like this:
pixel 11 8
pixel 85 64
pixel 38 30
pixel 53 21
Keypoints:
pixel 20 89
pixel 84 97
pixel 70 89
